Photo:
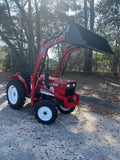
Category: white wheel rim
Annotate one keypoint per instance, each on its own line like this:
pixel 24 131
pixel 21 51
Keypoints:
pixel 44 113
pixel 64 109
pixel 12 94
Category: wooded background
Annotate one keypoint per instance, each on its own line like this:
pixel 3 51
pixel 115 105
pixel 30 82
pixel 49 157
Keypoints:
pixel 23 24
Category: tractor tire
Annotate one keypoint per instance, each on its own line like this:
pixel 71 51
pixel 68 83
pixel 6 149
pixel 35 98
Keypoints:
pixel 65 110
pixel 15 94
pixel 45 112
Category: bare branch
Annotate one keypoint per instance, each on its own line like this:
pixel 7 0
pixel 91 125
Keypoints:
pixel 37 22
pixel 13 24
pixel 25 3
pixel 7 41
pixel 22 11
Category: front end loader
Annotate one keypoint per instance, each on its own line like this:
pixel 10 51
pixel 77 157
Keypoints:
pixel 51 93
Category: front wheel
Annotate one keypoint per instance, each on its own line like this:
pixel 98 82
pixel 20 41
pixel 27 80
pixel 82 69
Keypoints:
pixel 45 112
pixel 65 110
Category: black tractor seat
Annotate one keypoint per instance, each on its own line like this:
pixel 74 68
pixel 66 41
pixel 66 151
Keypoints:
pixel 27 77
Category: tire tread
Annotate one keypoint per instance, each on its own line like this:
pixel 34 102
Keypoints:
pixel 66 112
pixel 51 106
pixel 21 94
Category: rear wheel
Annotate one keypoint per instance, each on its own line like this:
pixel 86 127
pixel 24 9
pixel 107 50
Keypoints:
pixel 45 112
pixel 65 110
pixel 15 94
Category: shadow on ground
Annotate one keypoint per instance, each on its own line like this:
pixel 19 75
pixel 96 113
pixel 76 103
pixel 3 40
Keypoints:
pixel 100 106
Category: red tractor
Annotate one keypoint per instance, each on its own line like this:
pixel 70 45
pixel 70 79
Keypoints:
pixel 49 93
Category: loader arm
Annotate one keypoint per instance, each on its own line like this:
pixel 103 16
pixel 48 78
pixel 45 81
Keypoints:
pixel 64 60
pixel 75 34
pixel 40 64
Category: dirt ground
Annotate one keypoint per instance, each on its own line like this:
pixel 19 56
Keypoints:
pixel 91 132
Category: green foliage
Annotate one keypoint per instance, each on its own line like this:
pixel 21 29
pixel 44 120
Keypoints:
pixel 76 62
pixel 1 62
pixel 3 53
pixel 6 62
pixel 108 25
pixel 108 21
pixel 102 62
pixel 20 62
pixel 53 16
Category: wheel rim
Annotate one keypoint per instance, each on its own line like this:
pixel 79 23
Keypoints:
pixel 65 109
pixel 12 94
pixel 44 113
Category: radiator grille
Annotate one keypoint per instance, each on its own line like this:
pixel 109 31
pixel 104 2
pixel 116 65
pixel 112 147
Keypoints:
pixel 70 90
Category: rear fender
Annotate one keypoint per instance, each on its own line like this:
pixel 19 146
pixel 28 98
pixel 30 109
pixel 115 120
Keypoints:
pixel 21 79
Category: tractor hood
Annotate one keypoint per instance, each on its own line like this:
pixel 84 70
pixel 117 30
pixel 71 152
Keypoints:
pixel 78 35
pixel 57 80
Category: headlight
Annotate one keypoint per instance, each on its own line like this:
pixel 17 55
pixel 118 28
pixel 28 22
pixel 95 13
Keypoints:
pixel 73 84
pixel 68 85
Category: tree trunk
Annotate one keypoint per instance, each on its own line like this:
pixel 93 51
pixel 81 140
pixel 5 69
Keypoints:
pixel 86 24
pixel 85 13
pixel 31 37
pixel 88 54
pixel 37 21
pixel 29 30
pixel 92 29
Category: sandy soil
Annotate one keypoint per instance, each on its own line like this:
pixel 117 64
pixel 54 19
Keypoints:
pixel 91 132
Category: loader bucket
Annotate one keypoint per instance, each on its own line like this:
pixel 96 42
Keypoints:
pixel 78 35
